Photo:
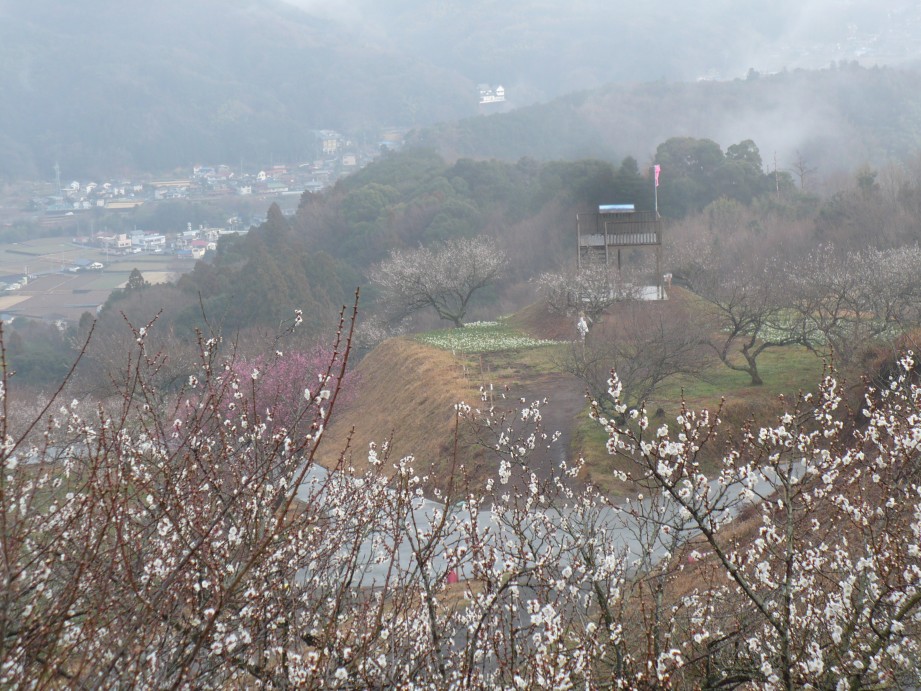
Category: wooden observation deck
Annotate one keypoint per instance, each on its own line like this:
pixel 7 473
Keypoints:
pixel 602 234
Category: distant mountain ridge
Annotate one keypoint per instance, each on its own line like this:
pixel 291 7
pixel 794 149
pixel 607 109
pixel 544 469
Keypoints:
pixel 836 119
pixel 103 86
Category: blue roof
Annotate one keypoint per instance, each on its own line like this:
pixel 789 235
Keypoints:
pixel 616 208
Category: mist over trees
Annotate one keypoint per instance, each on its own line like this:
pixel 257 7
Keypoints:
pixel 831 120
pixel 415 199
pixel 105 90
pixel 108 90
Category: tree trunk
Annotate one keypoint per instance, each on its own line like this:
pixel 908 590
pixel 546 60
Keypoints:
pixel 752 369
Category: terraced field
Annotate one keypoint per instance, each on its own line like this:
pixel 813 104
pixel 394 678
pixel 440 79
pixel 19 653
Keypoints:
pixel 53 292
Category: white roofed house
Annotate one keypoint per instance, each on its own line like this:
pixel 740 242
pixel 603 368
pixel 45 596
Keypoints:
pixel 117 241
pixel 490 95
pixel 154 241
pixel 147 240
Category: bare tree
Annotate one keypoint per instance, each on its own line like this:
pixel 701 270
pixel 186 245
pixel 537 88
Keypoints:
pixel 802 169
pixel 694 253
pixel 845 302
pixel 444 278
pixel 750 314
pixel 648 342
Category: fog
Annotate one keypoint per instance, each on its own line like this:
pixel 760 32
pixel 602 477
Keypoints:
pixel 670 39
pixel 104 85
pixel 540 50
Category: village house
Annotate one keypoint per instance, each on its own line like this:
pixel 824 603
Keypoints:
pixel 147 241
pixel 119 241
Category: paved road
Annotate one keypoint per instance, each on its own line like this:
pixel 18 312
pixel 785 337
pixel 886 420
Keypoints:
pixel 626 526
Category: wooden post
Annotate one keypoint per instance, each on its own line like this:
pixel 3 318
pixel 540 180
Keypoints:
pixel 578 243
pixel 605 226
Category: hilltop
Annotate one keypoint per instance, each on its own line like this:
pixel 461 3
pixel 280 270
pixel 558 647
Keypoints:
pixel 102 87
pixel 407 399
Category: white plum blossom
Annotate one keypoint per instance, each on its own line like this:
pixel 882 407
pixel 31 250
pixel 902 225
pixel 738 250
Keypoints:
pixel 189 544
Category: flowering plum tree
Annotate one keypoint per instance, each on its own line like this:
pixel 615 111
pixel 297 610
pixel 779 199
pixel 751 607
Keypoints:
pixel 749 305
pixel 444 278
pixel 823 589
pixel 276 382
pixel 589 289
pixel 844 302
pixel 179 541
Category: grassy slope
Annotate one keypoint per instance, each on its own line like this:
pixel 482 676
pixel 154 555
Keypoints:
pixel 786 372
pixel 409 389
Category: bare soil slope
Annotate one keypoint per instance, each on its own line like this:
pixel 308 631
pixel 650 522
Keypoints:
pixel 406 398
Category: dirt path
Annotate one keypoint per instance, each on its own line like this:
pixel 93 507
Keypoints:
pixel 565 396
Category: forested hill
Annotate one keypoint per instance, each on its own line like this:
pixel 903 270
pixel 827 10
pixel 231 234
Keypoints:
pixel 102 86
pixel 314 260
pixel 830 119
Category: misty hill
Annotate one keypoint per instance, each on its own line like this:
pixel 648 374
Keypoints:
pixel 101 86
pixel 832 119
pixel 540 49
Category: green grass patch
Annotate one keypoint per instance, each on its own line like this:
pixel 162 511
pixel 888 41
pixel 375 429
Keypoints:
pixel 786 371
pixel 511 366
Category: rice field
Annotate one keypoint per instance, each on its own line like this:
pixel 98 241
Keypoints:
pixel 54 293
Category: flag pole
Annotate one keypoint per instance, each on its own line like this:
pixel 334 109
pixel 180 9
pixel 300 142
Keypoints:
pixel 656 169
